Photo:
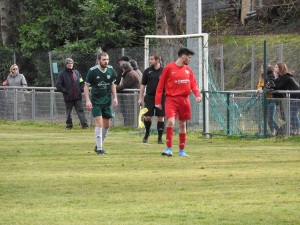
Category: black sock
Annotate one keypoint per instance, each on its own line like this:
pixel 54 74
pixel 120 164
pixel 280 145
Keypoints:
pixel 160 129
pixel 147 126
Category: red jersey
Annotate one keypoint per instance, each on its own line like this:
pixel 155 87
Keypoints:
pixel 176 80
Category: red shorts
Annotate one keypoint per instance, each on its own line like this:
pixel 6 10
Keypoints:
pixel 178 107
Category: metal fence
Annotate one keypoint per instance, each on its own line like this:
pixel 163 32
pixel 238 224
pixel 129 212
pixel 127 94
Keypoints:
pixel 237 113
pixel 245 113
pixel 234 67
pixel 230 68
pixel 47 105
pixel 41 69
pixel 238 67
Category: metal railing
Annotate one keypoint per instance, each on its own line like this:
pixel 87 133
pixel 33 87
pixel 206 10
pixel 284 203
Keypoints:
pixel 238 113
pixel 244 113
pixel 47 105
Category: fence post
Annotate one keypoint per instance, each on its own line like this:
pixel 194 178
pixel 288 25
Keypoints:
pixel 15 104
pixel 288 116
pixel 265 90
pixel 51 105
pixel 33 105
pixel 228 114
pixel 51 69
pixel 136 108
pixel 252 67
pixel 222 67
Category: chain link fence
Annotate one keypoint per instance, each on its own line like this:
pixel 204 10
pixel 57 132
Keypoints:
pixel 233 68
pixel 230 68
pixel 238 68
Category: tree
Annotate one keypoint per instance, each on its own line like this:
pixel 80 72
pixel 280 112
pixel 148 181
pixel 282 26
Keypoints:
pixel 85 25
pixel 169 17
pixel 9 23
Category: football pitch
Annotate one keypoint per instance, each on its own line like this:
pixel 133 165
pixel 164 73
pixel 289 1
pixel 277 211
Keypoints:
pixel 52 176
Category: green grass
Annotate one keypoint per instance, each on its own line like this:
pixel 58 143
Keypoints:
pixel 52 176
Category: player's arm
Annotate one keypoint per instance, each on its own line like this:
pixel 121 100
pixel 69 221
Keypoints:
pixel 194 87
pixel 160 88
pixel 114 93
pixel 87 96
pixel 141 98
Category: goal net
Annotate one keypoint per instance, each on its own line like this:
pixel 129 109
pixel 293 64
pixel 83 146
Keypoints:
pixel 167 46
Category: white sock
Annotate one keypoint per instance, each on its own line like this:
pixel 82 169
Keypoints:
pixel 104 133
pixel 98 137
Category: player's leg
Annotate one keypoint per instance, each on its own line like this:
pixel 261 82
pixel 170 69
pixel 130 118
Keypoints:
pixel 160 129
pixel 171 108
pixel 182 138
pixel 97 114
pixel 98 132
pixel 160 113
pixel 150 105
pixel 184 114
pixel 169 136
pixel 147 123
pixel 106 119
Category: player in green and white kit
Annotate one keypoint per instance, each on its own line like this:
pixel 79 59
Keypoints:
pixel 101 78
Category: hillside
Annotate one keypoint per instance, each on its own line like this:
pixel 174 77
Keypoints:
pixel 227 23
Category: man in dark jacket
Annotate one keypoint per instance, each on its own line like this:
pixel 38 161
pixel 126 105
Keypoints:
pixel 71 84
pixel 130 80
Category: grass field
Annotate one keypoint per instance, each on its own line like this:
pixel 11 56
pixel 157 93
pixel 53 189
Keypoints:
pixel 52 176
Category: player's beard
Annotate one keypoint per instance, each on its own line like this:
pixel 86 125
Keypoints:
pixel 103 66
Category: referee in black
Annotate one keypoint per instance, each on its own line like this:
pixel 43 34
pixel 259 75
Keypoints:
pixel 150 79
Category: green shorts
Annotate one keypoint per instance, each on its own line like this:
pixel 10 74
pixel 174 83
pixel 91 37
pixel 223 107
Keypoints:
pixel 105 112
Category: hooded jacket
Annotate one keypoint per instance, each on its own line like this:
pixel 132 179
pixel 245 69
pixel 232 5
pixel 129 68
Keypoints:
pixel 287 82
pixel 70 83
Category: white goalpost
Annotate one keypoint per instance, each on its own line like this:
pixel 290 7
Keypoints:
pixel 167 46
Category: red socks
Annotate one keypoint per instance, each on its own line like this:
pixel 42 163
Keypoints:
pixel 169 136
pixel 182 140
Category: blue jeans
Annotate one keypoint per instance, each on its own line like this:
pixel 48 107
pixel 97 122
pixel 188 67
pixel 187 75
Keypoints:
pixel 295 122
pixel 271 113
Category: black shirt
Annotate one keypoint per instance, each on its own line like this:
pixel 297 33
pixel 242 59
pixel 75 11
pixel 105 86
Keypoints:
pixel 151 78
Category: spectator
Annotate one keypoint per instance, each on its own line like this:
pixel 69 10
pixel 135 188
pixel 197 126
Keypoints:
pixel 178 81
pixel 119 70
pixel 286 81
pixel 134 66
pixel 150 79
pixel 273 125
pixel 71 84
pixel 130 80
pixel 16 79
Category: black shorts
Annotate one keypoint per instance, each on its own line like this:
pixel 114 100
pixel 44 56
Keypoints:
pixel 150 105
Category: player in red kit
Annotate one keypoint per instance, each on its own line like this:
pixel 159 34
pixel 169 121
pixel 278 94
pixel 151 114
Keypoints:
pixel 178 82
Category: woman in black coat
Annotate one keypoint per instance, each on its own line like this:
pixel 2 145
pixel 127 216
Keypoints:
pixel 286 81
